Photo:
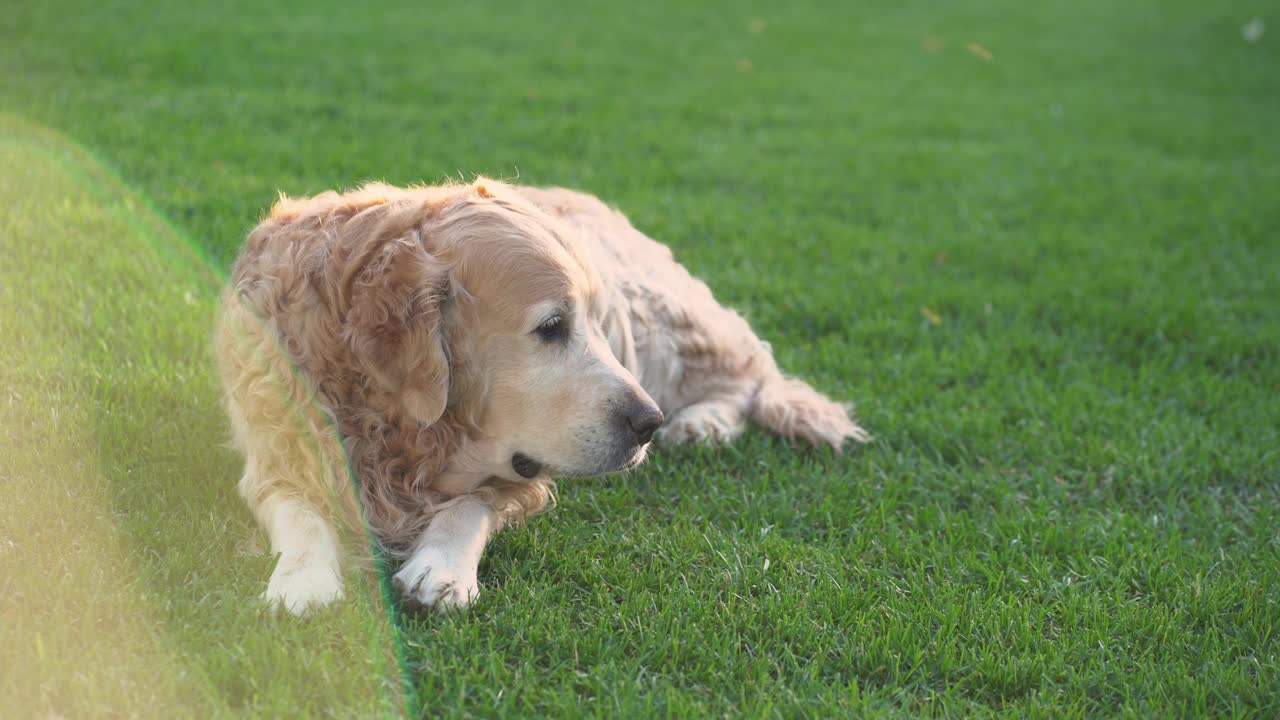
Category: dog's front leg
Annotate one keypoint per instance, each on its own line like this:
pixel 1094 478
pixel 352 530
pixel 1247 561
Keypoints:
pixel 308 574
pixel 441 572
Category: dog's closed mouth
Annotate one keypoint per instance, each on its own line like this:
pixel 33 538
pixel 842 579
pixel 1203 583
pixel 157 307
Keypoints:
pixel 525 466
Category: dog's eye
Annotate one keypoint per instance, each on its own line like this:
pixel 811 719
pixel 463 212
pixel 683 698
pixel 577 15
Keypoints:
pixel 553 329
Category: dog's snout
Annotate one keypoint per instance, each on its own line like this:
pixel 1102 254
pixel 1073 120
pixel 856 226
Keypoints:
pixel 643 418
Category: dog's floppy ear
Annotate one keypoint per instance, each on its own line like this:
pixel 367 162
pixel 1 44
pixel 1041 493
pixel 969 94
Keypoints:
pixel 393 323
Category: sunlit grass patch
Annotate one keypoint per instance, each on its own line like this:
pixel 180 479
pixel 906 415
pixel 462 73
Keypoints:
pixel 131 573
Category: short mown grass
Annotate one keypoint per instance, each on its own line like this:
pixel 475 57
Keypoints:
pixel 1038 245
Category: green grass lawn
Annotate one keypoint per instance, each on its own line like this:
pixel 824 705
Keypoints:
pixel 1038 245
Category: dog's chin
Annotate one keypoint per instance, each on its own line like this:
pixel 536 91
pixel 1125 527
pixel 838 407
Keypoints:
pixel 624 460
pixel 526 467
pixel 641 452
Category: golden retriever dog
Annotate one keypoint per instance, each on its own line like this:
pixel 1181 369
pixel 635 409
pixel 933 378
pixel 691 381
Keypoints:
pixel 421 364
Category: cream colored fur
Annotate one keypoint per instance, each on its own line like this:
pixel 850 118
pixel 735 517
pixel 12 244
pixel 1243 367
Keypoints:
pixel 384 359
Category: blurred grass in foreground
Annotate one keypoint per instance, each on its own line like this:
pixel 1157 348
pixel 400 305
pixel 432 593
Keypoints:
pixel 123 555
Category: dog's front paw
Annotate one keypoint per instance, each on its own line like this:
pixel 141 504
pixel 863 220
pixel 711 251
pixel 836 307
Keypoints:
pixel 430 579
pixel 299 585
pixel 701 423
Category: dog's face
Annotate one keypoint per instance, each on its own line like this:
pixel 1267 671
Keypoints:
pixel 529 366
pixel 557 401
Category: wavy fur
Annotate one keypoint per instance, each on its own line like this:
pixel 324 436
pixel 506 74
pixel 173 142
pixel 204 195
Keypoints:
pixel 379 369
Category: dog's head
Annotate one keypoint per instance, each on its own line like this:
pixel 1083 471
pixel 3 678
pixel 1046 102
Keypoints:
pixel 478 308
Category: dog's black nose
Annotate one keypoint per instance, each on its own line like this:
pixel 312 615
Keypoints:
pixel 644 419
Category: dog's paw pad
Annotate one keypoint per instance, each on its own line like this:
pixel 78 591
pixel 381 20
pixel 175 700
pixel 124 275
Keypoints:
pixel 299 587
pixel 436 585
